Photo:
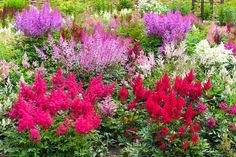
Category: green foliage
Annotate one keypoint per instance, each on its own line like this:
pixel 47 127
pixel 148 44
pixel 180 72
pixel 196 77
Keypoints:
pixel 71 7
pixel 128 4
pixel 193 38
pixel 16 4
pixel 227 14
pixel 183 6
pixel 71 144
pixel 101 5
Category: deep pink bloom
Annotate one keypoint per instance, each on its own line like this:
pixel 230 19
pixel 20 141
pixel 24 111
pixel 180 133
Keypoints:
pixel 211 122
pixel 232 109
pixel 124 93
pixel 231 127
pixel 223 106
pixel 163 146
pixel 181 131
pixel 195 138
pixel 35 135
pixel 207 85
pixel 164 131
pixel 185 144
pixel 201 107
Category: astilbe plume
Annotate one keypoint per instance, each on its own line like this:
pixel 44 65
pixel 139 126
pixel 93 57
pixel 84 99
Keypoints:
pixel 169 103
pixel 37 105
pixel 138 62
pixel 93 53
pixel 215 34
pixel 102 49
pixel 171 28
pixel 36 23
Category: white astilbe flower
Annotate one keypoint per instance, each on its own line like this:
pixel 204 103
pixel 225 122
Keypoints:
pixel 210 55
pixel 153 6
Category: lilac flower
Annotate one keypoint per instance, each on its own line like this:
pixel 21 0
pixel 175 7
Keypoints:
pixel 36 23
pixel 171 28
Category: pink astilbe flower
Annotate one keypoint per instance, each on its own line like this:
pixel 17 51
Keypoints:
pixel 215 34
pixel 102 49
pixel 108 107
pixel 37 105
pixel 36 23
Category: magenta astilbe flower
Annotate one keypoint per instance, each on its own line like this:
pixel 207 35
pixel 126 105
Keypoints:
pixel 223 106
pixel 36 23
pixel 230 46
pixel 171 28
pixel 201 108
pixel 211 122
pixel 232 109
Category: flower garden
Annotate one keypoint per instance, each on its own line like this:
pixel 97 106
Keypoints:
pixel 117 78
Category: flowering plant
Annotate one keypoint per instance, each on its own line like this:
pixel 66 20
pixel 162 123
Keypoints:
pixel 36 107
pixel 93 53
pixel 151 6
pixel 162 26
pixel 36 23
pixel 174 112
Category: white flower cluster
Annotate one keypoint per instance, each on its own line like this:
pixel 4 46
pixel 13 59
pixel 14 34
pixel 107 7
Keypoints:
pixel 210 55
pixel 151 6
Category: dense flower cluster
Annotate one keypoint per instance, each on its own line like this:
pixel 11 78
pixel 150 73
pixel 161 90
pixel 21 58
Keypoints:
pixel 171 28
pixel 215 34
pixel 170 103
pixel 36 23
pixel 108 107
pixel 211 55
pixel 93 53
pixel 5 69
pixel 138 62
pixel 151 6
pixel 37 106
pixel 102 49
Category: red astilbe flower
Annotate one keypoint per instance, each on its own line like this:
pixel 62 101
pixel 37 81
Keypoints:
pixel 124 93
pixel 37 105
pixel 64 127
pixel 207 85
pixel 35 135
pixel 195 138
pixel 170 103
pixel 185 144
